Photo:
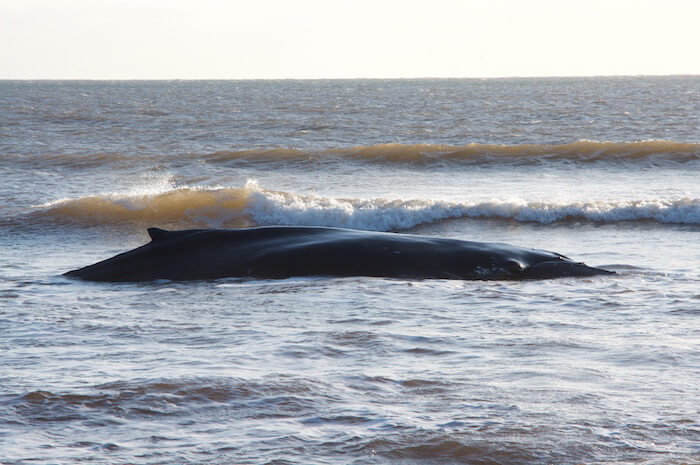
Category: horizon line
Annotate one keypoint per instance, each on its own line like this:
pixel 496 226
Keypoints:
pixel 571 76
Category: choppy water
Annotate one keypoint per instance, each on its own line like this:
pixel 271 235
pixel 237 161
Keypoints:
pixel 353 370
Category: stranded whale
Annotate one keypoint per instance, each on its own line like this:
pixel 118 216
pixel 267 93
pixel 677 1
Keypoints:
pixel 282 252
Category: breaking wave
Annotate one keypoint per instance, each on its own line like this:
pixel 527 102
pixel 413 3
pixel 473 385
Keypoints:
pixel 251 205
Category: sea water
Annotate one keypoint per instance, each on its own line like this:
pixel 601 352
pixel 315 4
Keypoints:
pixel 352 370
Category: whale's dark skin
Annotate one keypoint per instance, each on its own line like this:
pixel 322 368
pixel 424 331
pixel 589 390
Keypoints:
pixel 283 252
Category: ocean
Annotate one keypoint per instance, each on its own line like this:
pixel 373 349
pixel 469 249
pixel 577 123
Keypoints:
pixel 360 370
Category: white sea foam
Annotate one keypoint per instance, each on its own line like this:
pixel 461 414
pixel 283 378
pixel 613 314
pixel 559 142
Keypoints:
pixel 267 208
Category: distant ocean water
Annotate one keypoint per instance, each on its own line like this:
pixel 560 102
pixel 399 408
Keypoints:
pixel 353 370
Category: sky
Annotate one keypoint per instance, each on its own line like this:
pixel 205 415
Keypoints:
pixel 308 39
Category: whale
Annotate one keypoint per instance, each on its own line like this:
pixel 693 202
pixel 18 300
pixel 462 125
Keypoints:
pixel 277 252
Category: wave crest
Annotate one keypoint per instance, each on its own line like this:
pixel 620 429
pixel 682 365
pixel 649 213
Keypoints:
pixel 582 151
pixel 252 205
pixel 184 207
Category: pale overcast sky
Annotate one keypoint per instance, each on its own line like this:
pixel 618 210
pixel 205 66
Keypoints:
pixel 219 39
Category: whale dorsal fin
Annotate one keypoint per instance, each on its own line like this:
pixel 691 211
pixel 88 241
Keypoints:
pixel 158 234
